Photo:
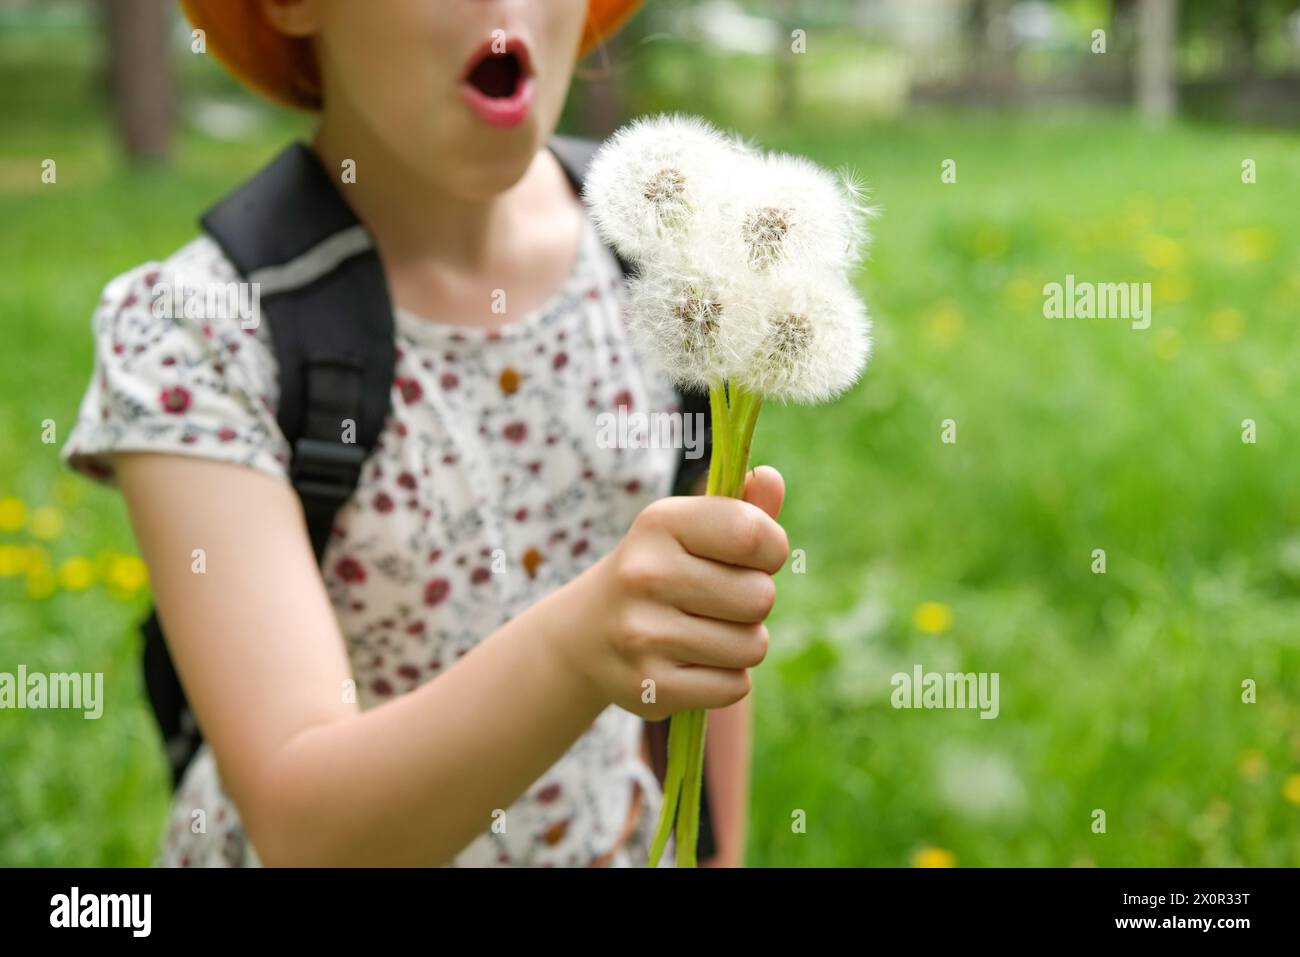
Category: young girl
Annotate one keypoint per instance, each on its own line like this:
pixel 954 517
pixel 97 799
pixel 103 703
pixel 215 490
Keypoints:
pixel 405 701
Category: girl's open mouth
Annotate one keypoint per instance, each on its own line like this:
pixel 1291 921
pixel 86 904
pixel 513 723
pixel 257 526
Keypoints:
pixel 498 82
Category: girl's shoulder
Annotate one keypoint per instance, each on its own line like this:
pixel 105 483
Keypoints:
pixel 182 363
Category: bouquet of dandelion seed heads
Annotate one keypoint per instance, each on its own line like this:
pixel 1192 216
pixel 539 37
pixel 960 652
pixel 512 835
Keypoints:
pixel 742 288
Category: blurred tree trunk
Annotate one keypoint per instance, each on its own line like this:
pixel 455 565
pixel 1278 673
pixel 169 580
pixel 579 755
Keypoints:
pixel 1245 38
pixel 140 76
pixel 990 51
pixel 1157 81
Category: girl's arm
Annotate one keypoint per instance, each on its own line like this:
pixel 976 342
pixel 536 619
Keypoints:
pixel 413 781
pixel 727 747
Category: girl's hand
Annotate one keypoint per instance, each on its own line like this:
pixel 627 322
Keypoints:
pixel 677 609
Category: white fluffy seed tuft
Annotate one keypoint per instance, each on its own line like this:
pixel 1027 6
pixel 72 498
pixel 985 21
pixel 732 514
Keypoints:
pixel 655 180
pixel 743 258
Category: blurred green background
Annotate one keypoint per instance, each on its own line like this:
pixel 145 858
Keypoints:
pixel 1119 691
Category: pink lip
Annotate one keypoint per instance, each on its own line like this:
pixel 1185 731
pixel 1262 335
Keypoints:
pixel 501 111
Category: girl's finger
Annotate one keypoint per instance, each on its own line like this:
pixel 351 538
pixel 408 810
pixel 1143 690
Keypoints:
pixel 725 592
pixel 710 643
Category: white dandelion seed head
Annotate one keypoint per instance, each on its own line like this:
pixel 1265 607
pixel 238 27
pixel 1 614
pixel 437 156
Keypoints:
pixel 655 179
pixel 785 212
pixel 815 341
pixel 699 325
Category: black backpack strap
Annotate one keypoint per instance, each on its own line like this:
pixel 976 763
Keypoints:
pixel 289 231
pixel 575 155
pixel 322 289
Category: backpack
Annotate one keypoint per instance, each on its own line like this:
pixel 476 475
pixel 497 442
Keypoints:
pixel 331 321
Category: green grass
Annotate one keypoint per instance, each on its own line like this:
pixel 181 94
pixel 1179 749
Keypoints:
pixel 1119 692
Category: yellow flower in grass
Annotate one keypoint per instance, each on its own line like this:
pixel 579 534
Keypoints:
pixel 1021 293
pixel 128 574
pixel 1252 764
pixel 40 581
pixel 46 522
pixel 76 573
pixel 1171 288
pixel 68 489
pixel 990 242
pixel 932 617
pixel 1291 788
pixel 1161 252
pixel 1252 245
pixel 933 857
pixel 1227 324
pixel 13 513
pixel 946 323
pixel 13 560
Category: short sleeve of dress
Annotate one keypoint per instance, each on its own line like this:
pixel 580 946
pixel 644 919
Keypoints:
pixel 179 367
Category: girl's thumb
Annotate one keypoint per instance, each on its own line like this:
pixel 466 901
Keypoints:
pixel 765 488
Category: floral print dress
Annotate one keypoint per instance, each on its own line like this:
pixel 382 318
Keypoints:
pixel 487 490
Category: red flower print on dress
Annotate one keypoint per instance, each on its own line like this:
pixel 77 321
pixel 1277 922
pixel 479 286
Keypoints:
pixel 479 575
pixel 448 381
pixel 560 361
pixel 382 502
pixel 350 570
pixel 548 794
pixel 624 398
pixel 410 389
pixel 515 431
pixel 406 480
pixel 435 592
pixel 175 400
pixel 226 434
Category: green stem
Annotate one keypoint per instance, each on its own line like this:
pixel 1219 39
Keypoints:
pixel 745 420
pixel 721 422
pixel 735 415
pixel 678 745
pixel 688 820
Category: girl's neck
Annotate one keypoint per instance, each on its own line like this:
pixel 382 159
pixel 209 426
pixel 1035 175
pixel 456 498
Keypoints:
pixel 413 218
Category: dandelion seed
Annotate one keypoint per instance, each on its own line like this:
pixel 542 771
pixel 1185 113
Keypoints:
pixel 782 210
pixel 764 233
pixel 653 179
pixel 815 341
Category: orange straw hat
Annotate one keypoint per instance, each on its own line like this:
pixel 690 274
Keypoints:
pixel 284 68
